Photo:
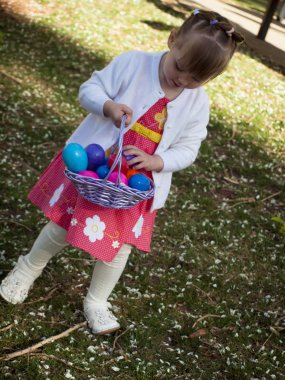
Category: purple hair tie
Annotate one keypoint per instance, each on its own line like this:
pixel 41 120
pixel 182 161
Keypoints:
pixel 213 22
pixel 196 12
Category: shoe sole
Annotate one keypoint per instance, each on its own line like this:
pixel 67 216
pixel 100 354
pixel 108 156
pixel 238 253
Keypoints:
pixel 105 332
pixel 5 298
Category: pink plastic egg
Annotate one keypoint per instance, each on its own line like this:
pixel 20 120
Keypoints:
pixel 88 173
pixel 123 179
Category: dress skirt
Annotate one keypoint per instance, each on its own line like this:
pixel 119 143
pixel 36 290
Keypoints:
pixel 98 230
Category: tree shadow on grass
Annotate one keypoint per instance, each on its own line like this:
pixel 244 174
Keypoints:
pixel 53 60
pixel 158 25
pixel 173 9
pixel 32 130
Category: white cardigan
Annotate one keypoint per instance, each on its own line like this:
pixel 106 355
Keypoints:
pixel 132 78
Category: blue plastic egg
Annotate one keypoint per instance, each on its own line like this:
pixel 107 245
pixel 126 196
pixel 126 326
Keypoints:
pixel 102 171
pixel 139 182
pixel 75 157
pixel 96 156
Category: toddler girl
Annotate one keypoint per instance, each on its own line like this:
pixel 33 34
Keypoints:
pixel 168 112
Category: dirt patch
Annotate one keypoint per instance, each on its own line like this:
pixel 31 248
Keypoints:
pixel 224 193
pixel 20 9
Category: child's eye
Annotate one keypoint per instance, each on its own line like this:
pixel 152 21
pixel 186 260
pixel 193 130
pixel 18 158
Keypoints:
pixel 177 67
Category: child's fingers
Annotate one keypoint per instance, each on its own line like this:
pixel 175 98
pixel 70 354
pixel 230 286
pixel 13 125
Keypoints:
pixel 125 147
pixel 128 121
pixel 139 161
pixel 118 119
pixel 129 112
pixel 117 123
pixel 139 166
pixel 131 150
pixel 135 161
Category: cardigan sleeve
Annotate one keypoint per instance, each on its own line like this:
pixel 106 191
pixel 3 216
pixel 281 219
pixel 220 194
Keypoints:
pixel 104 84
pixel 183 153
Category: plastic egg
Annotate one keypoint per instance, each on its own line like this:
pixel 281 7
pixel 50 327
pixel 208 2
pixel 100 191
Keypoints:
pixel 96 156
pixel 102 171
pixel 75 157
pixel 108 152
pixel 139 182
pixel 131 172
pixel 88 173
pixel 128 157
pixel 124 167
pixel 123 179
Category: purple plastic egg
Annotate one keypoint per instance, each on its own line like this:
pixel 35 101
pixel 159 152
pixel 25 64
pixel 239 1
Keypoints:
pixel 128 156
pixel 96 156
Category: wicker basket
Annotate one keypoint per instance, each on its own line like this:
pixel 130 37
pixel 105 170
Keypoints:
pixel 106 193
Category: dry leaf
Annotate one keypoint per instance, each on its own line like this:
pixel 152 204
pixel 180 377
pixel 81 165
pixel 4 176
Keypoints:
pixel 200 332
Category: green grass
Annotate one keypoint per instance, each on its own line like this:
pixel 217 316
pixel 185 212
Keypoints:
pixel 256 5
pixel 216 252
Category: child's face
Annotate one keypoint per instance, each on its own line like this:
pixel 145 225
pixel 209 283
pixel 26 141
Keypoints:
pixel 172 69
pixel 173 73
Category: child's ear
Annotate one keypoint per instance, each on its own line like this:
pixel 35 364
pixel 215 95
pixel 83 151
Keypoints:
pixel 171 38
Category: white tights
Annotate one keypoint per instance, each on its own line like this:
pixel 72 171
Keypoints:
pixel 105 276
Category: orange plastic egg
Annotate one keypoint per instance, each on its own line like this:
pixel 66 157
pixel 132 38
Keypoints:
pixel 131 172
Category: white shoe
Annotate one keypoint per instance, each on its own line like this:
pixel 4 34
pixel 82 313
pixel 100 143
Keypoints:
pixel 15 287
pixel 100 319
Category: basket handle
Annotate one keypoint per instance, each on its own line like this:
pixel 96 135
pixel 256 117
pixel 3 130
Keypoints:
pixel 119 145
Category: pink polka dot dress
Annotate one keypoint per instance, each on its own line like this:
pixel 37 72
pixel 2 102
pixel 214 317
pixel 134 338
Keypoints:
pixel 98 230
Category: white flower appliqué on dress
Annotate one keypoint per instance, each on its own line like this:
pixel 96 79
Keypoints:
pixel 56 195
pixel 94 228
pixel 115 244
pixel 73 222
pixel 137 230
pixel 70 210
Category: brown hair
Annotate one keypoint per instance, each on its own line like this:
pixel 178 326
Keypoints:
pixel 208 41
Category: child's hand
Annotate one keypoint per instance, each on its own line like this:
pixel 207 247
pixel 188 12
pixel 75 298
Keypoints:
pixel 143 160
pixel 116 111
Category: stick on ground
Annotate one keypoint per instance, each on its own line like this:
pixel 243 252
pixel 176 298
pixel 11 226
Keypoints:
pixel 43 342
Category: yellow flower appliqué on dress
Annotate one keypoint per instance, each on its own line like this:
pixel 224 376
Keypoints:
pixel 160 117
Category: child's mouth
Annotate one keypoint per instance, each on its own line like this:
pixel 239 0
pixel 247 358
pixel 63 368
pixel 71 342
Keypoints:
pixel 175 83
